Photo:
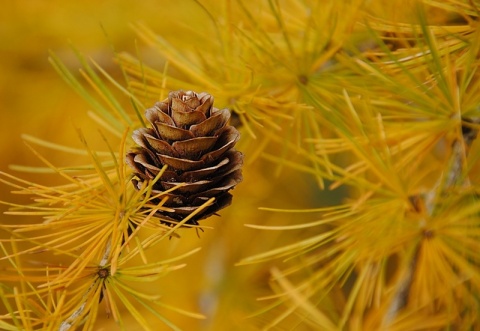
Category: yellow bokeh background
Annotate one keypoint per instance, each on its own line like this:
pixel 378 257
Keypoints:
pixel 33 98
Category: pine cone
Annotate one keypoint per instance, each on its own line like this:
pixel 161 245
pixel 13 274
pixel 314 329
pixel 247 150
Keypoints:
pixel 193 139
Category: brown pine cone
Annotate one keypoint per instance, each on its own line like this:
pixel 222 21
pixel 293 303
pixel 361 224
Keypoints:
pixel 194 140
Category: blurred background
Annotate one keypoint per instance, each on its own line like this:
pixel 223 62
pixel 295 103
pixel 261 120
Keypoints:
pixel 33 98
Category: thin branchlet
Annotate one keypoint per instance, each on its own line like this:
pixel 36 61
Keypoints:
pixel 453 178
pixel 102 274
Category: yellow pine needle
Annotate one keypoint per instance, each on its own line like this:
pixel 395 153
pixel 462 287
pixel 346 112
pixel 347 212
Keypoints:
pixel 323 221
pixel 119 87
pixel 21 275
pixel 23 313
pixel 319 318
pixel 174 57
pixel 98 85
pixel 137 294
pixel 288 249
pixel 30 188
pixel 113 286
pixel 104 124
pixel 100 92
pixel 244 119
pixel 331 209
pixel 58 147
pixel 181 311
pixel 79 88
pixel 113 307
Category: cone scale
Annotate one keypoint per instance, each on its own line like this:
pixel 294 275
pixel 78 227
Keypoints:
pixel 195 141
